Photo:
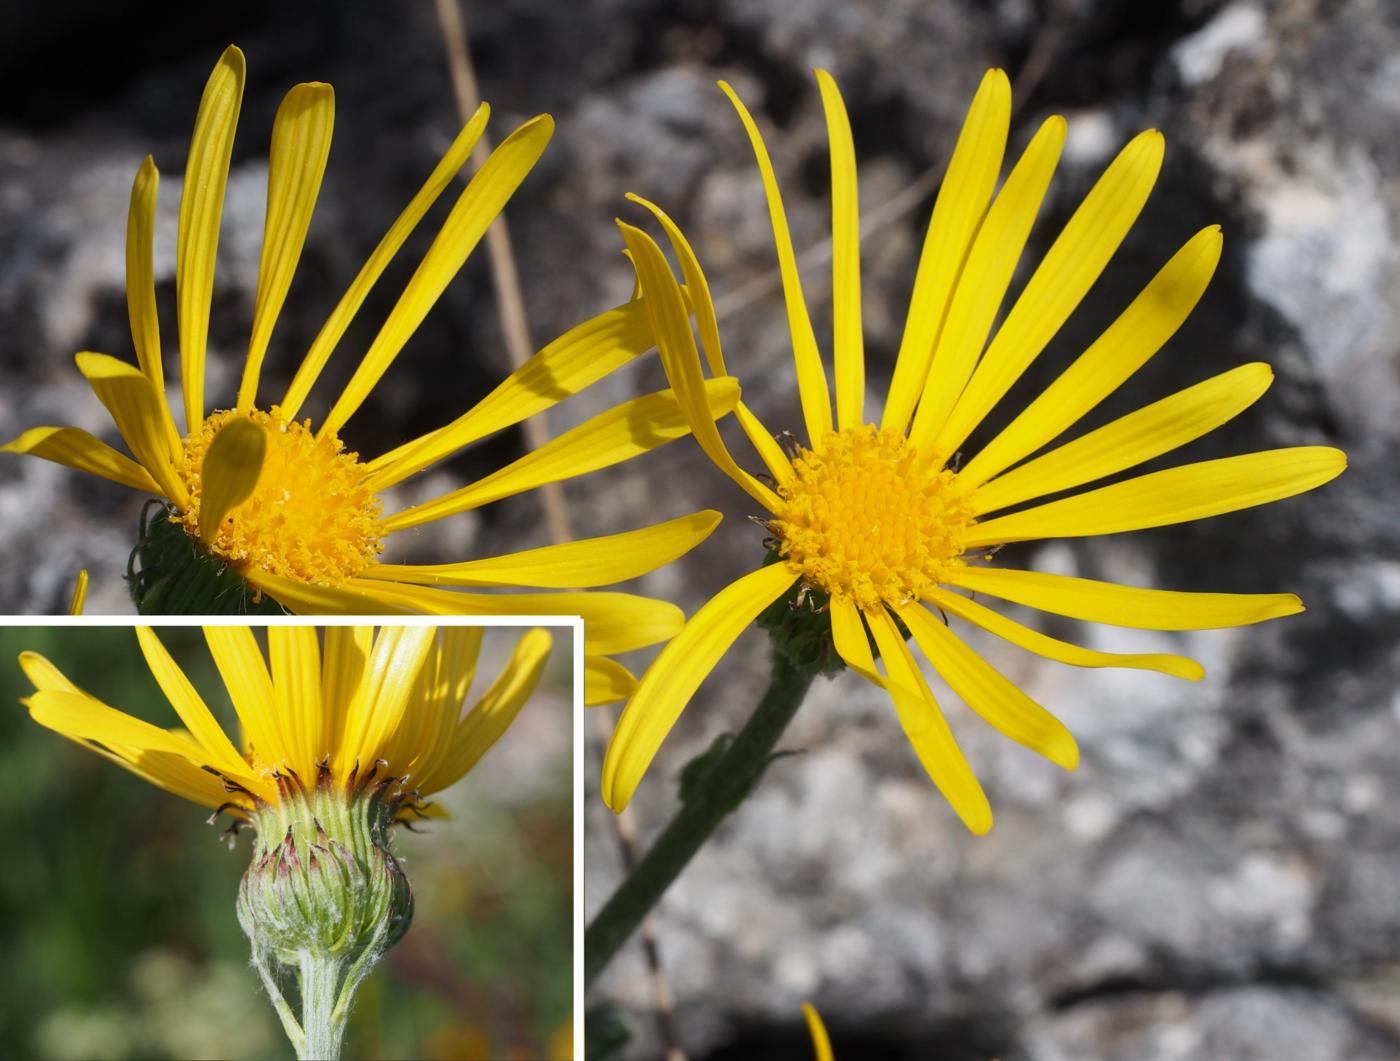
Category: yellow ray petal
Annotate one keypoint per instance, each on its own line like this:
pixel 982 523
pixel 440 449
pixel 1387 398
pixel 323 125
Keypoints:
pixel 851 641
pixel 356 597
pixel 301 143
pixel 927 729
pixel 1175 495
pixel 677 672
pixel 961 205
pixel 136 409
pixel 455 657
pixel 201 210
pixel 232 464
pixel 240 664
pixel 42 673
pixel 811 376
pixel 984 689
pixel 606 681
pixel 570 565
pixel 1125 346
pixel 492 715
pixel 80 591
pixel 616 435
pixel 75 448
pixel 578 358
pixel 295 655
pixel 379 703
pixel 153 753
pixel 848 342
pixel 1069 268
pixel 344 661
pixel 1062 651
pixel 676 344
pixel 190 706
pixel 453 159
pixel 707 324
pixel 1107 602
pixel 821 1043
pixel 984 279
pixel 141 286
pixel 1130 440
pixel 484 197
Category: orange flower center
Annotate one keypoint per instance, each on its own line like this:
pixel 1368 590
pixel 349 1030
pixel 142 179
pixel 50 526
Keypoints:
pixel 309 518
pixel 863 517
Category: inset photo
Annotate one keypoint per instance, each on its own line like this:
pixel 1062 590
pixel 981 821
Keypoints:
pixel 288 841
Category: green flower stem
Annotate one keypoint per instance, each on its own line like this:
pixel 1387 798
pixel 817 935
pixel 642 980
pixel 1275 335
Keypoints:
pixel 322 1017
pixel 727 781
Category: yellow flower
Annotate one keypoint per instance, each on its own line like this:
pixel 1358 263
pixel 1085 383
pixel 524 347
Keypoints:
pixel 879 524
pixel 351 708
pixel 283 503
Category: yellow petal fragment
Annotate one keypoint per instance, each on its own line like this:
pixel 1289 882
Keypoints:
pixel 240 665
pixel 1175 495
pixel 484 197
pixel 848 342
pixel 201 210
pixel 707 324
pixel 42 673
pixel 606 681
pixel 961 205
pixel 152 753
pixel 301 143
pixel 579 564
pixel 927 729
pixel 984 279
pixel 677 672
pixel 578 358
pixel 295 655
pixel 1124 347
pixel 1062 651
pixel 80 591
pixel 492 715
pixel 984 689
pixel 138 411
pixel 382 697
pixel 453 159
pixel 619 434
pixel 811 376
pixel 676 344
pixel 141 286
pixel 75 448
pixel 1130 440
pixel 232 464
pixel 821 1042
pixel 1071 265
pixel 204 728
pixel 1107 602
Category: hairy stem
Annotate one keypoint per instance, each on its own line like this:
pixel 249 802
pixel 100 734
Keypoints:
pixel 322 1021
pixel 726 783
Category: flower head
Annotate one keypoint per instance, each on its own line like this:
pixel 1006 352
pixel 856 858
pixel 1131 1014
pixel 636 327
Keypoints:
pixel 875 527
pixel 263 497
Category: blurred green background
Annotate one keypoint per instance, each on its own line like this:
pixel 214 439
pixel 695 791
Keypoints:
pixel 117 898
